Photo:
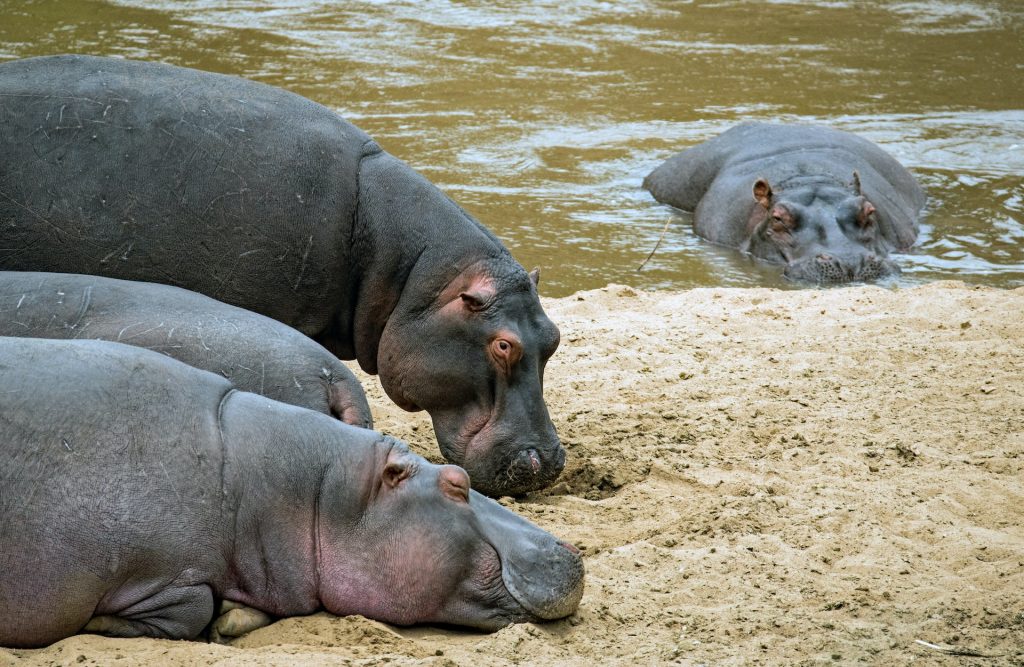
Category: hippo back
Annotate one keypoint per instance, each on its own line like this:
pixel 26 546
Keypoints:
pixel 126 160
pixel 257 354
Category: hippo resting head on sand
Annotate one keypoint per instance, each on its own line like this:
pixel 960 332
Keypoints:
pixel 138 492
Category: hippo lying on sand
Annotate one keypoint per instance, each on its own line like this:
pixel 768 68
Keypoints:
pixel 829 205
pixel 255 353
pixel 136 492
pixel 265 200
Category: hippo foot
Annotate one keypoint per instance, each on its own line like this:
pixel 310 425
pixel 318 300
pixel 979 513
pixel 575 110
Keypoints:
pixel 111 626
pixel 346 400
pixel 236 620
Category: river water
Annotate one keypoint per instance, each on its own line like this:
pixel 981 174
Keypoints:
pixel 542 118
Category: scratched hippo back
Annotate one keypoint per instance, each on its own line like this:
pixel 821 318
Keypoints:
pixel 107 170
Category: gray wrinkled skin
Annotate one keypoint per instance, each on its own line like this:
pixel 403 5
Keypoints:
pixel 826 204
pixel 132 507
pixel 267 201
pixel 253 352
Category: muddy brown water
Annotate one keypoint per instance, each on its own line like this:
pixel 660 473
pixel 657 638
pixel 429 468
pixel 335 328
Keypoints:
pixel 541 118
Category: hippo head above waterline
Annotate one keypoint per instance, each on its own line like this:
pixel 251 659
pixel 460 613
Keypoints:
pixel 828 205
pixel 821 232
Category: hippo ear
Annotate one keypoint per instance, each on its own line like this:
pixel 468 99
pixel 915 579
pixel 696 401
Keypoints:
pixel 763 192
pixel 856 183
pixel 535 276
pixel 395 472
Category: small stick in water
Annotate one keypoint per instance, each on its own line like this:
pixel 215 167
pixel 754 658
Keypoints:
pixel 656 245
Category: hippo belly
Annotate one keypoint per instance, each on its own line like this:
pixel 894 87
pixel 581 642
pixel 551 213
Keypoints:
pixel 827 204
pixel 267 201
pixel 255 353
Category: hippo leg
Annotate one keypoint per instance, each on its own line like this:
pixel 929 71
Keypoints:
pixel 172 613
pixel 236 620
pixel 346 399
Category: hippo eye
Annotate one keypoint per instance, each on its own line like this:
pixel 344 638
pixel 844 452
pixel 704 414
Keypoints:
pixel 507 352
pixel 781 220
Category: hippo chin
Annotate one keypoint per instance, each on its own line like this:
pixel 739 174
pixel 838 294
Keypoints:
pixel 828 205
pixel 267 201
pixel 132 508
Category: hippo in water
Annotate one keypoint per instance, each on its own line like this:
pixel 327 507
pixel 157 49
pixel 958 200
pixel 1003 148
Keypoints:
pixel 265 200
pixel 828 205
pixel 254 352
pixel 133 507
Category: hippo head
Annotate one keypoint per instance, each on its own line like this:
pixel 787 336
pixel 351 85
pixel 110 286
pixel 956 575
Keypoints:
pixel 475 361
pixel 427 549
pixel 823 233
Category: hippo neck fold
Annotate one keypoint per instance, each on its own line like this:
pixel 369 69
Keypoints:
pixel 271 506
pixel 409 241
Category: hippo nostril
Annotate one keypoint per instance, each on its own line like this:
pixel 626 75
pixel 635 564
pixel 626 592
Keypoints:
pixel 571 548
pixel 534 460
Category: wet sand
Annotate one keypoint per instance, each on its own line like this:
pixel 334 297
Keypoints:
pixel 756 477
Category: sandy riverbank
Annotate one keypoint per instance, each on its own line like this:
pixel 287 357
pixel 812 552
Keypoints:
pixel 756 476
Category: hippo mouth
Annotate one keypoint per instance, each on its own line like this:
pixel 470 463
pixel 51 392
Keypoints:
pixel 500 465
pixel 825 269
pixel 519 472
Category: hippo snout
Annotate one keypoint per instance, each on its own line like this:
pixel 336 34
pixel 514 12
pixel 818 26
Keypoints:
pixel 827 269
pixel 542 574
pixel 530 469
pixel 507 464
pixel 536 470
pixel 553 588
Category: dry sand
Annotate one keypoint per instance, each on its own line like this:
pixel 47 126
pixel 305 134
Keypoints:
pixel 756 477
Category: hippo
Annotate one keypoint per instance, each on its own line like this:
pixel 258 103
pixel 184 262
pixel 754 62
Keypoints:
pixel 827 204
pixel 265 200
pixel 139 494
pixel 254 352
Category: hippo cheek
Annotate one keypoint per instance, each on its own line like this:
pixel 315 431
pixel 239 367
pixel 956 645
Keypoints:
pixel 543 574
